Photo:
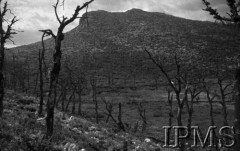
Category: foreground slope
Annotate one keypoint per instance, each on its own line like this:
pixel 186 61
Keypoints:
pixel 22 129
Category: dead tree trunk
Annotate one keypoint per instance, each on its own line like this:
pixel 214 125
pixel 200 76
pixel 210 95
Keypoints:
pixel 40 85
pixel 1 77
pixel 53 81
pixel 120 123
pixel 194 91
pixel 142 114
pixel 59 97
pixel 4 35
pixel 237 107
pixel 180 108
pixel 41 58
pixel 64 89
pixel 54 74
pixel 14 74
pixel 223 95
pixel 210 101
pixel 74 107
pixel 79 86
pixel 109 108
pixel 94 95
pixel 170 100
pixel 70 99
pixel 36 84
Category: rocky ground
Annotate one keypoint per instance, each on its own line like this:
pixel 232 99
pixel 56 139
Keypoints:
pixel 23 130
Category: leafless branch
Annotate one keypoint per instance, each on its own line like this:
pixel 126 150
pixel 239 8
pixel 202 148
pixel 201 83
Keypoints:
pixel 63 4
pixel 12 41
pixel 233 17
pixel 56 13
pixel 228 85
pixel 7 35
pixel 160 66
pixel 48 33
pixel 75 15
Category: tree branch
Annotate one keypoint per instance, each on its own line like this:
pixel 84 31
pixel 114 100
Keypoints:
pixel 56 13
pixel 234 16
pixel 75 15
pixel 9 31
pixel 228 85
pixel 48 33
pixel 161 68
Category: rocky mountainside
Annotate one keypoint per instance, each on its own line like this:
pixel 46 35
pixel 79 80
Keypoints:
pixel 136 29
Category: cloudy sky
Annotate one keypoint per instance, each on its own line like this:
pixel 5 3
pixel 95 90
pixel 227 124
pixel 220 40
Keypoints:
pixel 39 14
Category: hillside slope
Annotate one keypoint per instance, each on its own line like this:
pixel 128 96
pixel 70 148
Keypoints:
pixel 135 29
pixel 22 129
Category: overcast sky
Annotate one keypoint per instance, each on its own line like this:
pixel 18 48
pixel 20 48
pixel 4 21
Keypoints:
pixel 39 14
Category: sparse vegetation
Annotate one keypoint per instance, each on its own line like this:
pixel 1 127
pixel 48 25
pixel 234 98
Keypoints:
pixel 113 84
pixel 6 34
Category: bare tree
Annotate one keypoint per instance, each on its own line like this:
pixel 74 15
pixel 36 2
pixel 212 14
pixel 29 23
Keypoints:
pixel 76 71
pixel 41 60
pixel 177 78
pixel 93 82
pixel 233 15
pixel 142 114
pixel 80 85
pixel 224 86
pixel 120 123
pixel 176 86
pixel 71 98
pixel 170 100
pixel 5 34
pixel 194 89
pixel 236 95
pixel 64 88
pixel 210 98
pixel 58 38
pixel 109 108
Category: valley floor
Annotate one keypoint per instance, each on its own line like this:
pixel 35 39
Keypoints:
pixel 22 129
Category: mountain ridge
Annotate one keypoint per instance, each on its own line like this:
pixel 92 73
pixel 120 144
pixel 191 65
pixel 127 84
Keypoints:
pixel 124 30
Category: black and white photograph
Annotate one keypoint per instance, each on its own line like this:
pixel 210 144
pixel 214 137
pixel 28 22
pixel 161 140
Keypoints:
pixel 119 75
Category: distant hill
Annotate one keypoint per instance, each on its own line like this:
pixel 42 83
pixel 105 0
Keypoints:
pixel 135 28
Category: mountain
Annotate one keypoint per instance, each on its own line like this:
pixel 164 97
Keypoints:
pixel 105 53
pixel 135 29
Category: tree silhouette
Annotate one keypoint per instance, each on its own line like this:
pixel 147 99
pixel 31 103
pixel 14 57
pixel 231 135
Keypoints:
pixel 5 35
pixel 54 74
pixel 233 15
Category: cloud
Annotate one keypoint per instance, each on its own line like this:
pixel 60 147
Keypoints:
pixel 39 14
